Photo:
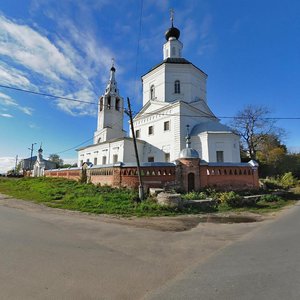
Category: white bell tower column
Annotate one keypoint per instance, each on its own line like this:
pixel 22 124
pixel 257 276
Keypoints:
pixel 110 112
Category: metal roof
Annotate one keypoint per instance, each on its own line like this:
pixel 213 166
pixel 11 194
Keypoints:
pixel 174 60
pixel 209 125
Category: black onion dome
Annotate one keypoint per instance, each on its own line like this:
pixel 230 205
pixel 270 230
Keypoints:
pixel 113 69
pixel 172 32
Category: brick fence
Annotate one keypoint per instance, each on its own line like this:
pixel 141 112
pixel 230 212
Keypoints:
pixel 187 174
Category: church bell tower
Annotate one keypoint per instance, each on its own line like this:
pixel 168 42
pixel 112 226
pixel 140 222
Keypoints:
pixel 110 112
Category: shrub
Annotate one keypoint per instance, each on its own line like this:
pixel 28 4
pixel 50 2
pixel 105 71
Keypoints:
pixel 195 196
pixel 230 198
pixel 287 180
pixel 270 198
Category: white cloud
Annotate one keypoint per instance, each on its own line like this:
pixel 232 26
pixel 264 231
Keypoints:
pixel 32 50
pixel 7 163
pixel 7 101
pixel 68 63
pixel 33 126
pixel 13 77
pixel 6 115
pixel 79 108
pixel 205 26
pixel 26 110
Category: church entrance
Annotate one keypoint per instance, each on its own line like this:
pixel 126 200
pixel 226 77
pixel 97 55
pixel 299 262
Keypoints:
pixel 191 182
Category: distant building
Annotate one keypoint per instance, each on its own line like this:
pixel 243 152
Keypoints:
pixel 28 163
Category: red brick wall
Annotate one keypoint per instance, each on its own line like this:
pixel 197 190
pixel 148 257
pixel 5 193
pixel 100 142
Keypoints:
pixel 231 177
pixel 151 176
pixel 205 176
pixel 65 173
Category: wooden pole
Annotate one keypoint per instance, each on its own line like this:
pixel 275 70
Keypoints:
pixel 141 189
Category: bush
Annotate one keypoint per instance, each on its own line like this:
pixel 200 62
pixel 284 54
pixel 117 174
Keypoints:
pixel 287 180
pixel 195 196
pixel 270 198
pixel 230 198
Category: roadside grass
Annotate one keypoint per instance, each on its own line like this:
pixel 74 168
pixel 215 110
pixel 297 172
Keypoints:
pixel 260 207
pixel 68 194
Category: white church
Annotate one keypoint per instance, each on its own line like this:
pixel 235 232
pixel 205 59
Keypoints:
pixel 174 102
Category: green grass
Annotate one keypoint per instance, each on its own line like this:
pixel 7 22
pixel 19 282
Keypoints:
pixel 69 194
pixel 261 207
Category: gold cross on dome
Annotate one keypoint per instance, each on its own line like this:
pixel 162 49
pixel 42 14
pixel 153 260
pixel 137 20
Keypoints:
pixel 112 62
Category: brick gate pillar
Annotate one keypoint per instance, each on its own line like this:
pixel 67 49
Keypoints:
pixel 186 166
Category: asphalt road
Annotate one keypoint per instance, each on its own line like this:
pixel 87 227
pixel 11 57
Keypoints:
pixel 54 254
pixel 263 265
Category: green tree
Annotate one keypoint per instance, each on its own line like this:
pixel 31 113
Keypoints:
pixel 56 158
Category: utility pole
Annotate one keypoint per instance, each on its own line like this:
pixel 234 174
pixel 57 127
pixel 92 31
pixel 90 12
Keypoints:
pixel 141 189
pixel 31 151
pixel 16 164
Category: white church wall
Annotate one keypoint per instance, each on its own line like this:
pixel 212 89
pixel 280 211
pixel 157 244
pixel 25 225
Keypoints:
pixel 157 79
pixel 129 152
pixel 226 142
pixel 103 153
pixel 164 131
pixel 192 83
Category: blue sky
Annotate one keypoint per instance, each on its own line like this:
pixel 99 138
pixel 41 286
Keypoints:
pixel 249 49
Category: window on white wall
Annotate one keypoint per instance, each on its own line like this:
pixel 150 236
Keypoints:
pixel 152 92
pixel 137 133
pixel 117 106
pixel 150 130
pixel 108 102
pixel 115 158
pixel 103 160
pixel 151 159
pixel 177 87
pixel 101 103
pixel 220 156
pixel 166 125
pixel 95 161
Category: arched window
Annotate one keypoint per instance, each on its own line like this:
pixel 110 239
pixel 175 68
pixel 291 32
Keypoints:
pixel 152 92
pixel 99 140
pixel 108 102
pixel 117 104
pixel 177 87
pixel 101 104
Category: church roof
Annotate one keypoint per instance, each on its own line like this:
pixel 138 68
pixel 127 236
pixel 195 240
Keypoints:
pixel 109 142
pixel 209 125
pixel 174 60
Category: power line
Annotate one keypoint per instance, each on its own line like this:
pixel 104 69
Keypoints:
pixel 154 113
pixel 82 143
pixel 46 95
pixel 218 117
